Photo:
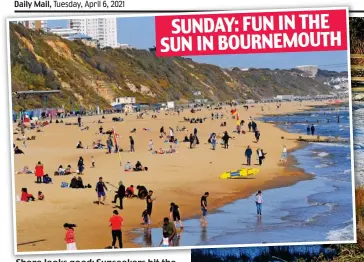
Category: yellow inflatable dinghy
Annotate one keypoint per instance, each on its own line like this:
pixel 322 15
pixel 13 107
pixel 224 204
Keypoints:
pixel 239 173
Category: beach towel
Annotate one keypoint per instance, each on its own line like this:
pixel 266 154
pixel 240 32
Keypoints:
pixel 64 184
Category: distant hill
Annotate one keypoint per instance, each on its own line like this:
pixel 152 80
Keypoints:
pixel 88 76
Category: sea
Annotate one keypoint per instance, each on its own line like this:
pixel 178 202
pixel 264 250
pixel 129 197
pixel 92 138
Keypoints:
pixel 317 210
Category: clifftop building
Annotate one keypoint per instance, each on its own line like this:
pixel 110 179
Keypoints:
pixel 104 30
pixel 310 70
pixel 35 24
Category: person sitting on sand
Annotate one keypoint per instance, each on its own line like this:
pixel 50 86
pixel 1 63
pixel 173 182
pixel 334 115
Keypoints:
pixel 160 151
pixel 68 170
pixel 18 151
pixel 186 139
pixel 79 183
pixel 25 170
pixel 129 192
pixel 139 167
pixel 73 183
pixel 171 150
pixel 128 167
pixel 47 179
pixel 142 192
pixel 101 130
pixel 85 128
pixel 25 196
pixel 79 145
pixel 40 195
pixel 61 171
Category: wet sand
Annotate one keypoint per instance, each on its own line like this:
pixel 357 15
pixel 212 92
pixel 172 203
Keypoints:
pixel 181 177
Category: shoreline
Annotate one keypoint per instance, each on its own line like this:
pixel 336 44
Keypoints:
pixel 291 171
pixel 275 176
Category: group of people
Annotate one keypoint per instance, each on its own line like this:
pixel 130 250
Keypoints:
pixel 169 223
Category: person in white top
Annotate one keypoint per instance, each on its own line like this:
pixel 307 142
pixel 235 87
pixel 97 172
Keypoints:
pixel 284 154
pixel 259 202
pixel 171 134
pixel 165 240
pixel 150 145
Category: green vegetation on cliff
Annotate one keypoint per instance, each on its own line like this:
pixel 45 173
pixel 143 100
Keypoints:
pixel 89 77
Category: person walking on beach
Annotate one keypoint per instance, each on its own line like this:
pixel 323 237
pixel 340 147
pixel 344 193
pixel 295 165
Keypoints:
pixel 162 133
pixel 195 135
pixel 131 144
pixel 150 145
pixel 93 162
pixel 169 230
pixel 192 141
pixel 79 121
pixel 109 144
pixel 80 165
pixel 39 172
pixel 312 130
pixel 171 135
pixel 308 130
pixel 213 141
pixel 248 155
pixel 70 236
pixel 204 208
pixel 259 202
pixel 254 126
pixel 260 154
pixel 257 135
pixel 226 138
pixel 284 154
pixel 120 194
pixel 116 222
pixel 100 189
pixel 250 126
pixel 175 214
pixel 150 200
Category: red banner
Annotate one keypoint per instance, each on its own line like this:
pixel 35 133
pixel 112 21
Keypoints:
pixel 246 33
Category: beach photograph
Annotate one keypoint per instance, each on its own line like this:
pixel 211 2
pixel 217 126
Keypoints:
pixel 117 148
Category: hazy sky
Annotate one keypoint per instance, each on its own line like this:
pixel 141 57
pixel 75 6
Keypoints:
pixel 139 32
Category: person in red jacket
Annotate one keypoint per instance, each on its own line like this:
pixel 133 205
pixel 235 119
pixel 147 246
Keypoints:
pixel 39 172
pixel 25 196
pixel 70 236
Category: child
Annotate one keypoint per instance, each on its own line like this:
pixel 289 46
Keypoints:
pixel 70 236
pixel 93 162
pixel 40 195
pixel 165 240
pixel 144 218
pixel 150 145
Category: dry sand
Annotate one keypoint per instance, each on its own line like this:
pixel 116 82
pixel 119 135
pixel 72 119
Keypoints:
pixel 181 177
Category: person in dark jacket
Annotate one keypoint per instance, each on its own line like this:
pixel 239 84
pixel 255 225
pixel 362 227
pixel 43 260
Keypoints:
pixel 120 194
pixel 254 126
pixel 308 130
pixel 257 135
pixel 226 138
pixel 248 155
pixel 312 130
pixel 250 126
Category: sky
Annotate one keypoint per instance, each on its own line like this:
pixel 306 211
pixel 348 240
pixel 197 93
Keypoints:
pixel 139 33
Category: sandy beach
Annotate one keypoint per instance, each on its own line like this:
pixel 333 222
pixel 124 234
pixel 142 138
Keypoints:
pixel 181 177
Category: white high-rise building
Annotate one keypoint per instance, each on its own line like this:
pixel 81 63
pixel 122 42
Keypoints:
pixel 35 24
pixel 102 29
